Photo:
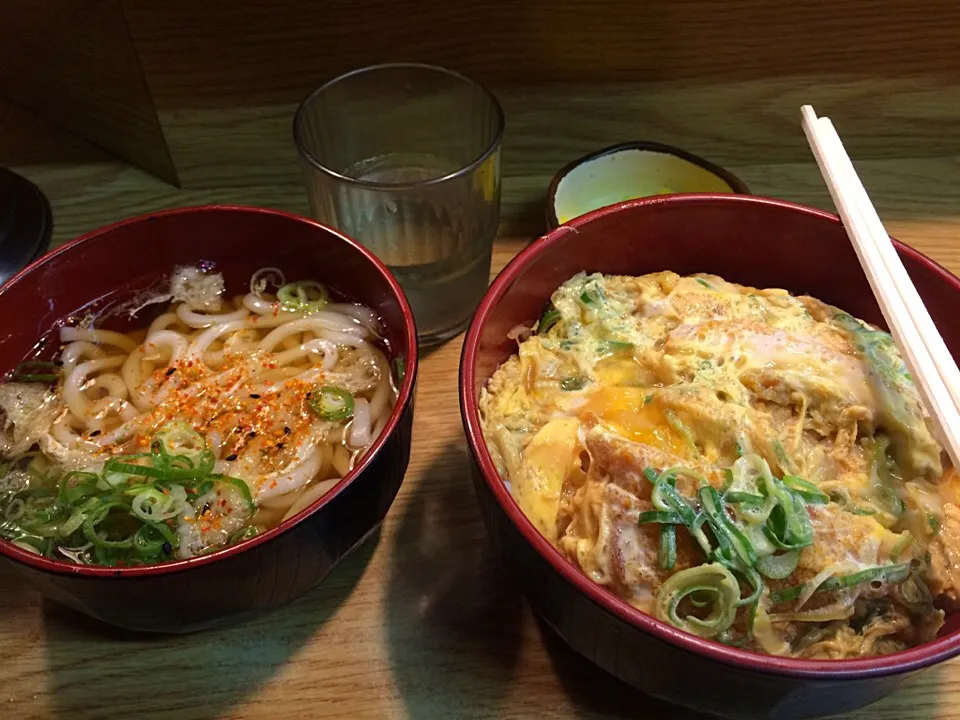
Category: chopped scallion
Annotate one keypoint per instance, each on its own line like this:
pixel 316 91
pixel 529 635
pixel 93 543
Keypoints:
pixel 304 296
pixel 744 498
pixel 613 347
pixel 777 567
pixel 667 556
pixel 806 489
pixel 331 403
pixel 664 517
pixel 592 295
pixel 713 586
pixel 35 371
pixel 883 573
pixel 551 316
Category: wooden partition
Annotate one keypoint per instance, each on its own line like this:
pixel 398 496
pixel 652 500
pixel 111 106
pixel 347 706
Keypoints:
pixel 724 79
pixel 72 63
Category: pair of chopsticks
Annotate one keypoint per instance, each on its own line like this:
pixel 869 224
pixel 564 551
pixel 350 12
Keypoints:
pixel 926 356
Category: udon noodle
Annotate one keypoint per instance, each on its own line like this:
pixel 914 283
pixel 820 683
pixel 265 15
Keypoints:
pixel 215 423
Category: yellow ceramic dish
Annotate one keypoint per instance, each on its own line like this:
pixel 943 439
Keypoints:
pixel 629 171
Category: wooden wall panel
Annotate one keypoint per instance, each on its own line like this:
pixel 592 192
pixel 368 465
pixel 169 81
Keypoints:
pixel 72 63
pixel 722 78
pixel 269 50
pixel 732 123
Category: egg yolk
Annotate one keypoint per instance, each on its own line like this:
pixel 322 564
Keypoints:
pixel 635 414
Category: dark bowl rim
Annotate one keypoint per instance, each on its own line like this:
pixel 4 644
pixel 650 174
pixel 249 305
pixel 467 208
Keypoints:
pixel 896 663
pixel 738 186
pixel 404 400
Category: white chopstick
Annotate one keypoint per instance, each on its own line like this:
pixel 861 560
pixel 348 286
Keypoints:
pixel 925 354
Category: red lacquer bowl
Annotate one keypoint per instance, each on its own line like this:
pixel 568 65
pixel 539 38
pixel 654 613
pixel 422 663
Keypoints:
pixel 749 240
pixel 116 262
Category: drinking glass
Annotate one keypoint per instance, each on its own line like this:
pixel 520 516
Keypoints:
pixel 405 159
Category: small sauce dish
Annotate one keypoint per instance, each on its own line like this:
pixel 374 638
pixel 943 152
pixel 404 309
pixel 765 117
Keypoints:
pixel 632 170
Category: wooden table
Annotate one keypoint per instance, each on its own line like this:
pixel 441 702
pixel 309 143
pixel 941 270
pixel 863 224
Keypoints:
pixel 421 622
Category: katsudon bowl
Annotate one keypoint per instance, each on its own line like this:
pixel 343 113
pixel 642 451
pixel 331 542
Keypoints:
pixel 107 267
pixel 753 241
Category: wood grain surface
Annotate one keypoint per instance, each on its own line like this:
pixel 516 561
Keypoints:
pixel 263 50
pixel 421 622
pixel 571 77
pixel 151 80
pixel 732 123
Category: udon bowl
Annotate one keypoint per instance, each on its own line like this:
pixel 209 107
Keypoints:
pixel 749 240
pixel 115 263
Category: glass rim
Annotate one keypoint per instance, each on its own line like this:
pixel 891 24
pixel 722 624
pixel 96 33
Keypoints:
pixel 376 185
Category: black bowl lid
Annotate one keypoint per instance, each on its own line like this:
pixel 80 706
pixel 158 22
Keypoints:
pixel 25 223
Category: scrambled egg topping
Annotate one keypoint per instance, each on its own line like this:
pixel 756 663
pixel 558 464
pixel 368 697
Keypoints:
pixel 747 465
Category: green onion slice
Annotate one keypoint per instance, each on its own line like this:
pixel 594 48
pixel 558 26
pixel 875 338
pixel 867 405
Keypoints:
pixel 713 586
pixel 96 518
pixel 35 371
pixel 331 403
pixel 29 365
pixel 606 348
pixel 756 582
pixel 786 464
pixel 884 573
pixel 303 296
pixel 667 555
pixel 181 467
pixel 727 482
pixel 751 479
pixel 178 438
pixel 744 498
pixel 733 543
pixel 788 526
pixel 242 487
pixel 592 294
pixel 72 524
pixel 120 466
pixel 674 421
pixel 778 567
pixel 40 515
pixel 806 489
pixel 551 316
pixel 659 516
pixel 666 498
pixel 152 504
pixel 75 486
pixel 202 488
pixel 150 538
